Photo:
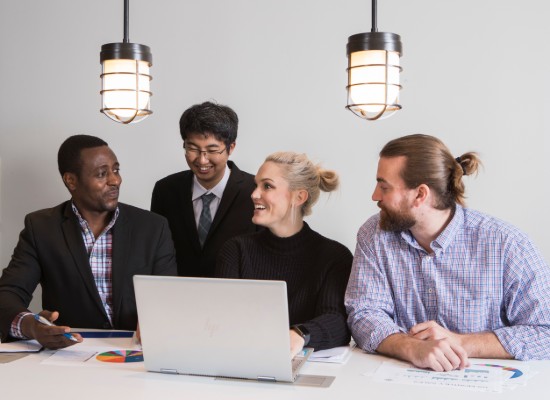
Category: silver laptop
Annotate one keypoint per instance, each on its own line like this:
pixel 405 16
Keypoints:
pixel 233 328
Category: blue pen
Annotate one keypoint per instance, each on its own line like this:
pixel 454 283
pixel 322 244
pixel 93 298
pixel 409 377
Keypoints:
pixel 44 321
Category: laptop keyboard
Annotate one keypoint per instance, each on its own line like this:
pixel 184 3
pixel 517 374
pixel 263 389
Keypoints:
pixel 297 363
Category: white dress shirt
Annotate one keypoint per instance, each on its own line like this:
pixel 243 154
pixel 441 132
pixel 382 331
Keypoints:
pixel 199 190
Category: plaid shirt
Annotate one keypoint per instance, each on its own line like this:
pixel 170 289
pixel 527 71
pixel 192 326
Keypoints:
pixel 100 252
pixel 483 275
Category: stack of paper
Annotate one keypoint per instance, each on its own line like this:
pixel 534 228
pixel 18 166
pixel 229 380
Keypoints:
pixel 335 355
pixel 21 346
pixel 15 350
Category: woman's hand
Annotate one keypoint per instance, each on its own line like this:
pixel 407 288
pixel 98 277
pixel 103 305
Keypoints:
pixel 296 343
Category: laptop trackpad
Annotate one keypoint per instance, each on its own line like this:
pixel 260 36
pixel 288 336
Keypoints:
pixel 323 381
pixel 314 380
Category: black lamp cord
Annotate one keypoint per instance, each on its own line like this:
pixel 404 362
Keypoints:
pixel 126 21
pixel 373 14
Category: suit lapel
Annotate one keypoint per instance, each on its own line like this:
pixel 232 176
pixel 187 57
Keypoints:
pixel 75 243
pixel 231 191
pixel 121 248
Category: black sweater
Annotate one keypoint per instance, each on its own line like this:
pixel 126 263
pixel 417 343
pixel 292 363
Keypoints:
pixel 315 269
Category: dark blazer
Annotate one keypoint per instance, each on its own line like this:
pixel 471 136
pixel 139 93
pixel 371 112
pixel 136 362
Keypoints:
pixel 172 199
pixel 51 252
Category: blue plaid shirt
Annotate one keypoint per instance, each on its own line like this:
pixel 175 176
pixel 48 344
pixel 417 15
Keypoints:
pixel 483 275
pixel 100 255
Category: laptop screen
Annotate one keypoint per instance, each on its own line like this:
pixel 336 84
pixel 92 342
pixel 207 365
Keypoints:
pixel 215 327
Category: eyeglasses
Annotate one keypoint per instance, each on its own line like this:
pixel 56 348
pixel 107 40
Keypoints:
pixel 195 152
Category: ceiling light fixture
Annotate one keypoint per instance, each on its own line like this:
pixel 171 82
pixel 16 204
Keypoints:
pixel 373 72
pixel 126 82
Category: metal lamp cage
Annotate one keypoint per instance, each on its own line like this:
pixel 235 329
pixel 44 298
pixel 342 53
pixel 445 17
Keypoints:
pixel 373 72
pixel 125 78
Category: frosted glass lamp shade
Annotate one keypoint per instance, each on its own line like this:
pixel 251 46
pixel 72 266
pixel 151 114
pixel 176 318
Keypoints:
pixel 373 76
pixel 126 84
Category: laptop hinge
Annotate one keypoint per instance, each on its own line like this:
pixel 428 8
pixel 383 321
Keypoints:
pixel 267 378
pixel 169 371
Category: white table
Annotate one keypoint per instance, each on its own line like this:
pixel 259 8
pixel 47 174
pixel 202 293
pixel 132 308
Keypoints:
pixel 28 378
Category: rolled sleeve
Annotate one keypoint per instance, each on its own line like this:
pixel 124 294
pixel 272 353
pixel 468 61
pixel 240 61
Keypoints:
pixel 527 304
pixel 525 342
pixel 368 299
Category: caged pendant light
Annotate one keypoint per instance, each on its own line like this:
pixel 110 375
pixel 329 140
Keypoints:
pixel 373 72
pixel 126 81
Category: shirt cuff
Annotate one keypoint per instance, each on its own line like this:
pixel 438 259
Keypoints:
pixel 15 330
pixel 381 333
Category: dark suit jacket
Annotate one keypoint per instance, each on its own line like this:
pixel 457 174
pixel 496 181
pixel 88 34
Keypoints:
pixel 172 199
pixel 51 252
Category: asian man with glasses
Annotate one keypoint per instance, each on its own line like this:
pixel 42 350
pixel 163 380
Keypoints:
pixel 209 203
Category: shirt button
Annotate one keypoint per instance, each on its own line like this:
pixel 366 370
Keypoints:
pixel 430 290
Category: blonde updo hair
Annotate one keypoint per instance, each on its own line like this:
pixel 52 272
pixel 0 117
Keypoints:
pixel 302 174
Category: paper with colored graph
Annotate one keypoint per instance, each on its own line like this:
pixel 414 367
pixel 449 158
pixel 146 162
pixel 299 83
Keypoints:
pixel 477 377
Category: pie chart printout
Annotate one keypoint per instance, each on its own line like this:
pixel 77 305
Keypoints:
pixel 120 356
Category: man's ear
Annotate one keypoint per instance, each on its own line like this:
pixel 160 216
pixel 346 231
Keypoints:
pixel 70 180
pixel 231 148
pixel 422 194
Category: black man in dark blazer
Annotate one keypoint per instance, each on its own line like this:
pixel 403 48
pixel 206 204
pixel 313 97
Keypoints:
pixel 84 253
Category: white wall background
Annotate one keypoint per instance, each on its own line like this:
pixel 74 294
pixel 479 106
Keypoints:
pixel 475 75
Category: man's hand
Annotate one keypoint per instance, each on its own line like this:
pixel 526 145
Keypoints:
pixel 479 345
pixel 442 342
pixel 432 330
pixel 439 355
pixel 427 346
pixel 51 337
pixel 296 343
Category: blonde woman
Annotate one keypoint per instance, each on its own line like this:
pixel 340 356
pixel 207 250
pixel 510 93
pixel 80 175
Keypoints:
pixel 316 269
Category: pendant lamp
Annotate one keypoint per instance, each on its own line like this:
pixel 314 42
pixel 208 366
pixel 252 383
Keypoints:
pixel 373 72
pixel 126 81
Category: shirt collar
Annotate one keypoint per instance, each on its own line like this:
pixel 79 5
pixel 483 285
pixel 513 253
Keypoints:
pixel 84 224
pixel 199 190
pixel 446 237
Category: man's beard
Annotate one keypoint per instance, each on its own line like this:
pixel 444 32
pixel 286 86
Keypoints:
pixel 396 220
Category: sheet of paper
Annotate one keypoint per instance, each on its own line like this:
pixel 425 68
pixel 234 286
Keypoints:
pixel 477 378
pixel 335 355
pixel 69 357
pixel 21 346
pixel 85 353
pixel 105 343
pixel 514 375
